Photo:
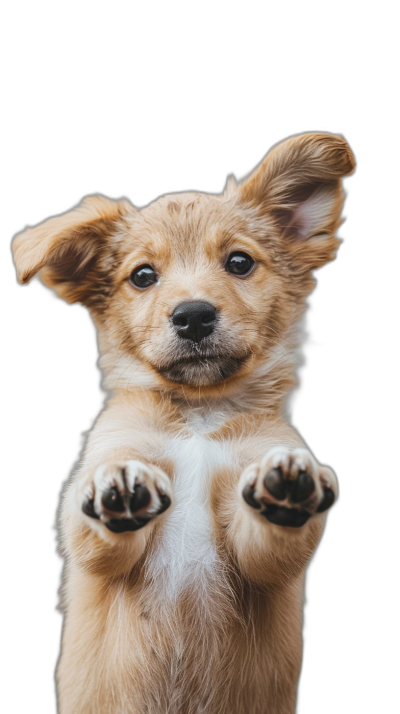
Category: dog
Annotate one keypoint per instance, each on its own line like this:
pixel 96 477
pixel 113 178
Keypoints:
pixel 188 526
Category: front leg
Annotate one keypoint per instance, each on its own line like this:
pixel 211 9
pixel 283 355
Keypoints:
pixel 280 516
pixel 109 513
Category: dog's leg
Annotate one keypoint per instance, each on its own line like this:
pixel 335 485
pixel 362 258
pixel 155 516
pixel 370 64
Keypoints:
pixel 109 512
pixel 270 518
pixel 277 513
pixel 109 515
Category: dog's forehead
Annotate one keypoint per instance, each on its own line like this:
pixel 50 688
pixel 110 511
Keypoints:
pixel 184 200
pixel 186 222
pixel 182 210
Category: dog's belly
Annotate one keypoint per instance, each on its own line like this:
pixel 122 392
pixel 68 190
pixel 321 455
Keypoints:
pixel 184 554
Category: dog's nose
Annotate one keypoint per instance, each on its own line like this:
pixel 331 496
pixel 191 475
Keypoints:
pixel 194 320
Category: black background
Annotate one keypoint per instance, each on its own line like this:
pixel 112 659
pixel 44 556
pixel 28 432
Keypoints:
pixel 54 384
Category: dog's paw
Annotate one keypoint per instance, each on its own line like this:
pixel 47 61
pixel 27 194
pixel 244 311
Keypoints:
pixel 288 486
pixel 126 496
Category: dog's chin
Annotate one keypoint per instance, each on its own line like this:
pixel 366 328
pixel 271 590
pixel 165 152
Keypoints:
pixel 202 371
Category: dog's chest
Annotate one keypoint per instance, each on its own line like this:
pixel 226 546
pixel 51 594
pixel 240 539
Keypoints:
pixel 184 553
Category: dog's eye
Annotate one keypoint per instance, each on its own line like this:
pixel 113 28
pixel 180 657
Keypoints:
pixel 143 276
pixel 239 263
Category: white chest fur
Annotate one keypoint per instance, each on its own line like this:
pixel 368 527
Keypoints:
pixel 185 554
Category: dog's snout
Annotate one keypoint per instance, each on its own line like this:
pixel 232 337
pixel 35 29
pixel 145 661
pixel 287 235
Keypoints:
pixel 194 320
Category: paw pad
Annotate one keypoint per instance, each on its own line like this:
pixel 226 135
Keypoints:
pixel 127 497
pixel 287 488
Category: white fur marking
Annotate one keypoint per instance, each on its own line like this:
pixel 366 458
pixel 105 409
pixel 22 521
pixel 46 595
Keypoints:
pixel 205 418
pixel 185 554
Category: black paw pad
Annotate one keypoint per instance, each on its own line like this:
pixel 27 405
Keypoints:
pixel 88 508
pixel 302 487
pixel 248 495
pixel 290 517
pixel 113 501
pixel 276 484
pixel 140 498
pixel 121 525
pixel 165 502
pixel 327 501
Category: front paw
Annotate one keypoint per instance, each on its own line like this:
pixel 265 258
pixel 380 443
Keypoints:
pixel 126 496
pixel 288 486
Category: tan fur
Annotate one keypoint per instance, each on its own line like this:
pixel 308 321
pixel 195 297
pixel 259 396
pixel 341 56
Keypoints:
pixel 200 610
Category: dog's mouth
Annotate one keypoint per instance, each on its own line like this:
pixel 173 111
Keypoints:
pixel 202 369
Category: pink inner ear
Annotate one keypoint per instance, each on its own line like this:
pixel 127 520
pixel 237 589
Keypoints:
pixel 314 215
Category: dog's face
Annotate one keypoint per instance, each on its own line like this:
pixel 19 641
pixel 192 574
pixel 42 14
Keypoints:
pixel 198 289
pixel 196 297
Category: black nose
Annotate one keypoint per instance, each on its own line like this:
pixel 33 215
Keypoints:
pixel 194 320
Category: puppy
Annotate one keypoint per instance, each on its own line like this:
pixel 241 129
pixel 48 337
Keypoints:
pixel 196 507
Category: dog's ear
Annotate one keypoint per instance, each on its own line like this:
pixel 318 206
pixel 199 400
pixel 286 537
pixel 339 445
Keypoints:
pixel 297 188
pixel 76 252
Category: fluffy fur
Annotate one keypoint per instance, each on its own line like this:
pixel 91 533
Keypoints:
pixel 198 609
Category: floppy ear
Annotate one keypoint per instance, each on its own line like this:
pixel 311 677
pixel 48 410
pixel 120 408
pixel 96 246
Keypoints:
pixel 298 189
pixel 76 251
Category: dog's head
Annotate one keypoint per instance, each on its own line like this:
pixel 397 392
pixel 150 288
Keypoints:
pixel 198 289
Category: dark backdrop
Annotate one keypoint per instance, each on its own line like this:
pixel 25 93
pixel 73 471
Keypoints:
pixel 54 384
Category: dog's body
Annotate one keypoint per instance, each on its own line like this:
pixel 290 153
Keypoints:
pixel 196 507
